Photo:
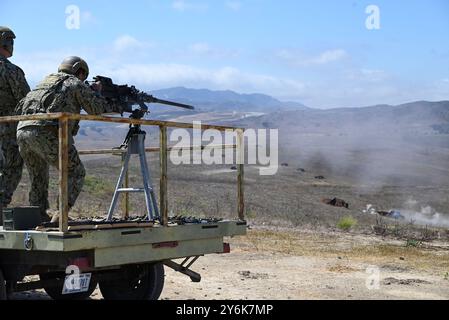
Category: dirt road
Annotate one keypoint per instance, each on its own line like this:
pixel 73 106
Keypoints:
pixel 285 264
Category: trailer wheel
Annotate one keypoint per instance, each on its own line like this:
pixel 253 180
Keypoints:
pixel 2 286
pixel 139 282
pixel 55 292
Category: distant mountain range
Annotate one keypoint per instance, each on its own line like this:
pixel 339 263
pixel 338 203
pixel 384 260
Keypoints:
pixel 420 116
pixel 419 121
pixel 209 100
pixel 406 144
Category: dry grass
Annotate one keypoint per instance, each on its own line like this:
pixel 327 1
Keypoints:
pixel 367 249
pixel 341 269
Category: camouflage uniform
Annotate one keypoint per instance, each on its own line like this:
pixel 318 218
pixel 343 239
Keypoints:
pixel 38 140
pixel 13 87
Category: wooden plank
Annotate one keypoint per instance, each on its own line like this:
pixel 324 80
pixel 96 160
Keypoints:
pixel 145 122
pixel 101 151
pixel 163 179
pixel 240 177
pixel 63 174
pixel 41 116
pixel 111 226
pixel 71 116
pixel 155 149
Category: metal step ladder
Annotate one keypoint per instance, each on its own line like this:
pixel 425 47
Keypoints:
pixel 135 144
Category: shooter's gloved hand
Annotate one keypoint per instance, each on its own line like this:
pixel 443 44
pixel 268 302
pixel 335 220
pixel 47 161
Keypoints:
pixel 97 87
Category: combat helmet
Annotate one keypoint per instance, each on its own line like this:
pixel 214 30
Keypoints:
pixel 72 65
pixel 7 37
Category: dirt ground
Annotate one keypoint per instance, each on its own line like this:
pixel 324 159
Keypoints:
pixel 289 264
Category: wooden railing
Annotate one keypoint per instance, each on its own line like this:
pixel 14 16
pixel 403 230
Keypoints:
pixel 64 118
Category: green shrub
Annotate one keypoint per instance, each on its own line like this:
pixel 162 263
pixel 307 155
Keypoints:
pixel 346 223
pixel 413 243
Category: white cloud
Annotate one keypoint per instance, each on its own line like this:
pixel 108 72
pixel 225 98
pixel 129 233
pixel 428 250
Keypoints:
pixel 337 87
pixel 233 5
pixel 127 42
pixel 182 5
pixel 179 5
pixel 328 56
pixel 332 91
pixel 156 76
pixel 48 63
pixel 200 48
pixel 369 75
pixel 298 59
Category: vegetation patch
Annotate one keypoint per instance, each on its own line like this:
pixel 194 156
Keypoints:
pixel 346 223
pixel 96 185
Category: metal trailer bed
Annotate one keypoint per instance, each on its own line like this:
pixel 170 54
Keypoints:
pixel 126 259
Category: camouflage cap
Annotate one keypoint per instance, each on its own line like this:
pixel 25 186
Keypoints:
pixel 73 64
pixel 7 37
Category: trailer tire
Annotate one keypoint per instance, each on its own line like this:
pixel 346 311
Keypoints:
pixel 55 292
pixel 2 286
pixel 139 282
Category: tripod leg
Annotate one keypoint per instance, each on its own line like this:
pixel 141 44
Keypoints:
pixel 146 186
pixel 151 190
pixel 119 184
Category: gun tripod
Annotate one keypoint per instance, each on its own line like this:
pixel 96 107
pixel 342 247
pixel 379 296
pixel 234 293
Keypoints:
pixel 134 143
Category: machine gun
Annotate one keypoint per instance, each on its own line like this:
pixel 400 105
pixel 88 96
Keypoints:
pixel 134 143
pixel 129 96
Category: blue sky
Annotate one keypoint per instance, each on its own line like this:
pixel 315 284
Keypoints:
pixel 316 52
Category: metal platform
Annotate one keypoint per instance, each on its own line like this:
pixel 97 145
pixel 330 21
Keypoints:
pixel 111 250
pixel 128 245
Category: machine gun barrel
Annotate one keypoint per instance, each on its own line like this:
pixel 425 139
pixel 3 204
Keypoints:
pixel 150 99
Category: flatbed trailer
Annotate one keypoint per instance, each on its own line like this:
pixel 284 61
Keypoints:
pixel 125 258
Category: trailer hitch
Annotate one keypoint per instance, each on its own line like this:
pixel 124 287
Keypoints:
pixel 184 268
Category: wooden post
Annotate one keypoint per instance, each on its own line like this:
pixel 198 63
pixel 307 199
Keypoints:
pixel 63 173
pixel 163 182
pixel 240 177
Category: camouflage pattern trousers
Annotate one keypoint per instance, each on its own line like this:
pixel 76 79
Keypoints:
pixel 39 147
pixel 10 168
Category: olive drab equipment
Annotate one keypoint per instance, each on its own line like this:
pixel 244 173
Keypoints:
pixel 44 96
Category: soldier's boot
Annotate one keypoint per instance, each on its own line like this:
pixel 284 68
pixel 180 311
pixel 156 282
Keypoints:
pixel 53 215
pixel 55 218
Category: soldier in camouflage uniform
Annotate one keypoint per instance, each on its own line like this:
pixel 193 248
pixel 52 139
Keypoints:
pixel 13 87
pixel 64 91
